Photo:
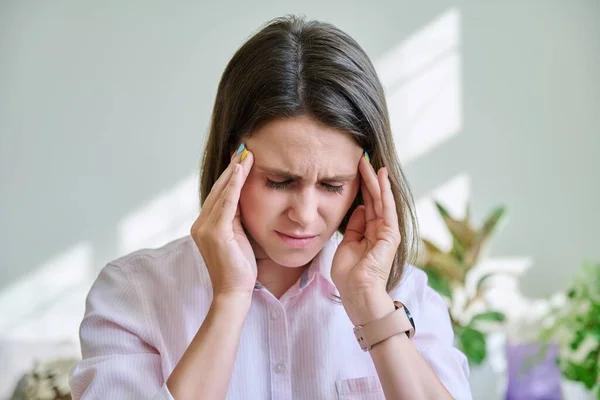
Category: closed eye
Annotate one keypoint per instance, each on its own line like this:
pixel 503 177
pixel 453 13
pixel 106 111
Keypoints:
pixel 338 189
pixel 275 185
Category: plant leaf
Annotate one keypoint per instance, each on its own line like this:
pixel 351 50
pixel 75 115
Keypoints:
pixel 472 254
pixel 481 281
pixel 494 316
pixel 448 267
pixel 458 250
pixel 472 343
pixel 438 284
pixel 443 212
pixel 460 230
pixel 492 221
pixel 569 371
pixel 483 236
pixel 430 247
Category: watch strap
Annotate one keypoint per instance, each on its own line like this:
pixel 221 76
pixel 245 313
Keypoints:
pixel 377 331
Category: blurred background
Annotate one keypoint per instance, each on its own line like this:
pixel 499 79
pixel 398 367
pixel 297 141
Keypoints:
pixel 104 109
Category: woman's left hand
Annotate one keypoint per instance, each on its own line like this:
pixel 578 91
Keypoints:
pixel 363 261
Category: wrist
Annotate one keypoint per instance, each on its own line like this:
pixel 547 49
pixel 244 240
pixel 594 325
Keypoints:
pixel 368 307
pixel 232 302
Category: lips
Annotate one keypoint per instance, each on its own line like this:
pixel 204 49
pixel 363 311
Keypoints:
pixel 296 240
pixel 297 236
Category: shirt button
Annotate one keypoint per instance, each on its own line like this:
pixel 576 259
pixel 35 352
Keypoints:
pixel 279 368
pixel 274 314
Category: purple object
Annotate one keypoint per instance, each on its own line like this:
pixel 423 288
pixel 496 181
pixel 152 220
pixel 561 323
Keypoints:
pixel 531 377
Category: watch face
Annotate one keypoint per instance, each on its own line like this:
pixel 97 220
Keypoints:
pixel 412 322
pixel 398 305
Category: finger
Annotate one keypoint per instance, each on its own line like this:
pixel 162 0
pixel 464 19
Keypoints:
pixel 390 216
pixel 370 178
pixel 355 229
pixel 217 189
pixel 221 183
pixel 247 164
pixel 226 208
pixel 368 200
pixel 227 199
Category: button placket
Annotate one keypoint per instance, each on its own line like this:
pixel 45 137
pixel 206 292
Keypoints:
pixel 279 367
pixel 274 314
pixel 279 351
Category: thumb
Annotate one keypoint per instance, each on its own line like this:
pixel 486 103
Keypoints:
pixel 357 224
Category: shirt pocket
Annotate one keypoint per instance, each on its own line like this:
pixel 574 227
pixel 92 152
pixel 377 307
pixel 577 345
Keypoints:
pixel 363 388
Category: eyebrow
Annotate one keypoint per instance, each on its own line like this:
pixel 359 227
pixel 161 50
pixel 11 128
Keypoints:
pixel 286 174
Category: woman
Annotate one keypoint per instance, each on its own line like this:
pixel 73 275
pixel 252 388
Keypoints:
pixel 266 298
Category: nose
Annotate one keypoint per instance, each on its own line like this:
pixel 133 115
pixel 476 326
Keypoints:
pixel 304 207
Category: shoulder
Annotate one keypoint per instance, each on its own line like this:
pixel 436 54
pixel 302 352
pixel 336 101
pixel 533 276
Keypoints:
pixel 434 337
pixel 149 286
pixel 424 302
pixel 413 283
pixel 158 256
pixel 176 263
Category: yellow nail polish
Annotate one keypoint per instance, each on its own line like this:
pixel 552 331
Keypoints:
pixel 244 154
pixel 366 156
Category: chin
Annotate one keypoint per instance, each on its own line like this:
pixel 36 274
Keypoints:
pixel 266 244
pixel 288 260
pixel 292 258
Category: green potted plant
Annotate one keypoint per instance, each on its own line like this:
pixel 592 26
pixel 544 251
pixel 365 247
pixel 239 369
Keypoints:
pixel 574 326
pixel 449 270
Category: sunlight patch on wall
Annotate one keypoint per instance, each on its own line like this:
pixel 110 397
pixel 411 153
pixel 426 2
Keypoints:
pixel 30 301
pixel 168 216
pixel 422 80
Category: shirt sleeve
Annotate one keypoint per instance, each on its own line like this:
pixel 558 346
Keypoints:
pixel 117 360
pixel 434 339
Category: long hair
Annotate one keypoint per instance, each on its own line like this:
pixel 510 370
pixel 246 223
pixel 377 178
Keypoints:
pixel 293 67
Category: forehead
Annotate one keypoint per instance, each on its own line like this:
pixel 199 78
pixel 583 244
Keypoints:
pixel 302 139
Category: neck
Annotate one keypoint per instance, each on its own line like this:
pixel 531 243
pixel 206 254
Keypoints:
pixel 276 278
pixel 273 276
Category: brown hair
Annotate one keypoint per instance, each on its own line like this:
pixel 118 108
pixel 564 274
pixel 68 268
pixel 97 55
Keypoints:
pixel 294 67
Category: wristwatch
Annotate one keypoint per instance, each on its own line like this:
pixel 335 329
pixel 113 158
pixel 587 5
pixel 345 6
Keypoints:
pixel 398 321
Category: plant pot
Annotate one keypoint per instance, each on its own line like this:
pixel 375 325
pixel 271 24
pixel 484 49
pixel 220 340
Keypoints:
pixel 532 375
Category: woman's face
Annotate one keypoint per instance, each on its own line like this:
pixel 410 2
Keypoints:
pixel 303 181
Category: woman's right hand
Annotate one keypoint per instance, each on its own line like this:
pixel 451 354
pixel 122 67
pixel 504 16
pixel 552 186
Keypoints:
pixel 220 237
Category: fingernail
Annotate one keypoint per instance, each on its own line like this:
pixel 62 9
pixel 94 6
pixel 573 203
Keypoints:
pixel 240 149
pixel 366 156
pixel 244 154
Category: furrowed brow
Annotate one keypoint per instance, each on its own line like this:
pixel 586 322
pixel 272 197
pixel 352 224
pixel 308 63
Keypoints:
pixel 286 174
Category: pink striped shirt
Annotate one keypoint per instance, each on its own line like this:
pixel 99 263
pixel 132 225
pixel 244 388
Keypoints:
pixel 145 308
